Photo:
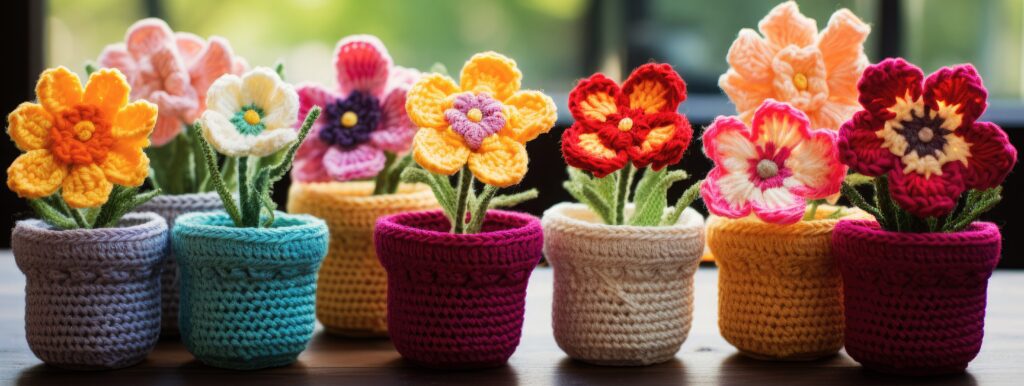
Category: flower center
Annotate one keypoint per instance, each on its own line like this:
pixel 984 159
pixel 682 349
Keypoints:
pixel 467 118
pixel 349 119
pixel 83 130
pixel 800 81
pixel 925 134
pixel 475 115
pixel 251 117
pixel 625 124
pixel 767 168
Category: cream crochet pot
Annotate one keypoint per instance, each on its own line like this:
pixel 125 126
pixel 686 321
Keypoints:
pixel 623 294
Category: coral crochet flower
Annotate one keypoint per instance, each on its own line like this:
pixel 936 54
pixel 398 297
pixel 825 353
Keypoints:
pixel 924 134
pixel 637 122
pixel 772 168
pixel 484 122
pixel 80 141
pixel 252 115
pixel 793 63
pixel 362 119
pixel 173 70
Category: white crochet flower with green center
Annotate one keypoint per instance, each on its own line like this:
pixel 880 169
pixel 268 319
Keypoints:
pixel 252 115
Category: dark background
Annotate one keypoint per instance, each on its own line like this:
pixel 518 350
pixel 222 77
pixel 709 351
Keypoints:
pixel 624 28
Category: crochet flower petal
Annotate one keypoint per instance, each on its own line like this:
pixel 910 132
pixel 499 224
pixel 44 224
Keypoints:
pixel 664 143
pixel 727 143
pixel 780 124
pixel 500 161
pixel 533 114
pixel 395 132
pixel 439 151
pixel 189 46
pixel 777 206
pixel 148 36
pixel 492 73
pixel 428 99
pixel 134 123
pixel 992 156
pixel 958 94
pixel 271 140
pixel 882 83
pixel 117 56
pixel 653 88
pixel 860 147
pixel 362 64
pixel 86 187
pixel 167 127
pixel 792 63
pixel 308 165
pixel 223 136
pixel 932 196
pixel 401 77
pixel 831 115
pixel 815 165
pixel 225 95
pixel 583 149
pixel 278 99
pixel 725 193
pixel 363 161
pixel 29 126
pixel 58 89
pixel 842 47
pixel 314 95
pixel 210 63
pixel 785 26
pixel 35 174
pixel 594 99
pixel 745 94
pixel 126 165
pixel 751 57
pixel 107 89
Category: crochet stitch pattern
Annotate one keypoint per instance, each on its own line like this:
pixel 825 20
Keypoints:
pixel 351 294
pixel 247 294
pixel 623 294
pixel 457 300
pixel 250 115
pixel 915 302
pixel 92 296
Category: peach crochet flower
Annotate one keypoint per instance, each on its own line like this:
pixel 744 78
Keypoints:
pixel 80 141
pixel 484 122
pixel 173 70
pixel 793 63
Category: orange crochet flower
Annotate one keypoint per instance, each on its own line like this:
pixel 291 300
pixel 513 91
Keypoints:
pixel 485 121
pixel 80 141
pixel 793 63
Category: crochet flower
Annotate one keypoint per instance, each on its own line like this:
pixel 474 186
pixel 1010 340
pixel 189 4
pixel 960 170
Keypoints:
pixel 484 122
pixel 924 134
pixel 773 168
pixel 250 115
pixel 793 63
pixel 80 141
pixel 362 119
pixel 637 123
pixel 173 70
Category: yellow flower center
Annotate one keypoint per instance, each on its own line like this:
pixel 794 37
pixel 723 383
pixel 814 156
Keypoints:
pixel 251 117
pixel 625 124
pixel 84 130
pixel 926 134
pixel 349 119
pixel 800 81
pixel 474 114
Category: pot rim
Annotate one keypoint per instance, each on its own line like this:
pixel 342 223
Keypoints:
pixel 978 233
pixel 144 225
pixel 354 193
pixel 569 212
pixel 408 226
pixel 817 227
pixel 218 225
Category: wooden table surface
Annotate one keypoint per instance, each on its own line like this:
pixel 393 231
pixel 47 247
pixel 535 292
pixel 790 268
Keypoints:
pixel 705 358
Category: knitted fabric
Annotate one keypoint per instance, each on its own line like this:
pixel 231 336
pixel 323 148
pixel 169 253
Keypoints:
pixel 351 294
pixel 250 115
pixel 92 296
pixel 915 302
pixel 623 294
pixel 779 291
pixel 170 207
pixel 247 294
pixel 457 300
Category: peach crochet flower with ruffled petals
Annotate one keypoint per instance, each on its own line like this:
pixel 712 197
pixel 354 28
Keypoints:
pixel 173 70
pixel 815 72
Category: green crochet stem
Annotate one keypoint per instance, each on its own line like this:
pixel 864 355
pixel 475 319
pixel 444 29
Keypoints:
pixel 122 200
pixel 386 182
pixel 456 201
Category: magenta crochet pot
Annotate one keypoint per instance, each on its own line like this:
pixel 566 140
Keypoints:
pixel 457 301
pixel 915 302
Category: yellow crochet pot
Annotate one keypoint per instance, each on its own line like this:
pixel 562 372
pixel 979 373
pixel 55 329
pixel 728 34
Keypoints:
pixel 779 290
pixel 351 289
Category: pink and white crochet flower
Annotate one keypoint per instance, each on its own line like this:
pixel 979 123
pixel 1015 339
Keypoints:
pixel 172 70
pixel 771 169
pixel 364 118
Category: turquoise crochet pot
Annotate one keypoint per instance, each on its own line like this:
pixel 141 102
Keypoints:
pixel 248 294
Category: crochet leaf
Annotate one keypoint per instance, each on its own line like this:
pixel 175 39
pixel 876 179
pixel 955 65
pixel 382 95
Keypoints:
pixel 583 190
pixel 215 176
pixel 122 200
pixel 689 196
pixel 977 203
pixel 51 215
pixel 510 200
pixel 380 183
pixel 438 184
pixel 480 209
pixel 395 172
pixel 651 203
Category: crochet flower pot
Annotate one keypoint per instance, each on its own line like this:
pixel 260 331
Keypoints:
pixel 779 291
pixel 623 294
pixel 457 300
pixel 247 294
pixel 352 286
pixel 915 302
pixel 170 206
pixel 92 296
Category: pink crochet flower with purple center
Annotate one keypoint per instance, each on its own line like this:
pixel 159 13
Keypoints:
pixel 475 117
pixel 364 118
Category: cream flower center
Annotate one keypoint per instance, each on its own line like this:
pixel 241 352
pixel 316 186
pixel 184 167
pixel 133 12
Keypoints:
pixel 83 130
pixel 475 115
pixel 767 168
pixel 251 117
pixel 625 124
pixel 349 119
pixel 926 134
pixel 800 81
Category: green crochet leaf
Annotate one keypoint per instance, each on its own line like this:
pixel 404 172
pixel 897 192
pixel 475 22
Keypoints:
pixel 510 200
pixel 689 196
pixel 651 202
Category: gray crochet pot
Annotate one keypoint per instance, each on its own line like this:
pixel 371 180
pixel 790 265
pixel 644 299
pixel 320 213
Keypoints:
pixel 170 206
pixel 92 296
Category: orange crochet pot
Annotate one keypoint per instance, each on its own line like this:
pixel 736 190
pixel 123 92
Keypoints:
pixel 351 294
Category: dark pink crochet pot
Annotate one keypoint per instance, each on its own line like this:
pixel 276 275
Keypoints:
pixel 915 302
pixel 457 301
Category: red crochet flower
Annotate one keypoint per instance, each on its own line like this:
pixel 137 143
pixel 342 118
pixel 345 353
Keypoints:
pixel 923 133
pixel 637 122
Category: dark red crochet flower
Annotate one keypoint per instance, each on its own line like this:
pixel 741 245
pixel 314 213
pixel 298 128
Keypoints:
pixel 924 134
pixel 636 123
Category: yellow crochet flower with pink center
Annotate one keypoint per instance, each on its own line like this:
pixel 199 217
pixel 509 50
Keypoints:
pixel 484 121
pixel 815 72
pixel 80 141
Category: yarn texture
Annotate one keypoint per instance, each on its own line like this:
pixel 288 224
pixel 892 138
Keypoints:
pixel 92 296
pixel 915 302
pixel 247 294
pixel 351 295
pixel 457 300
pixel 170 207
pixel 623 294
